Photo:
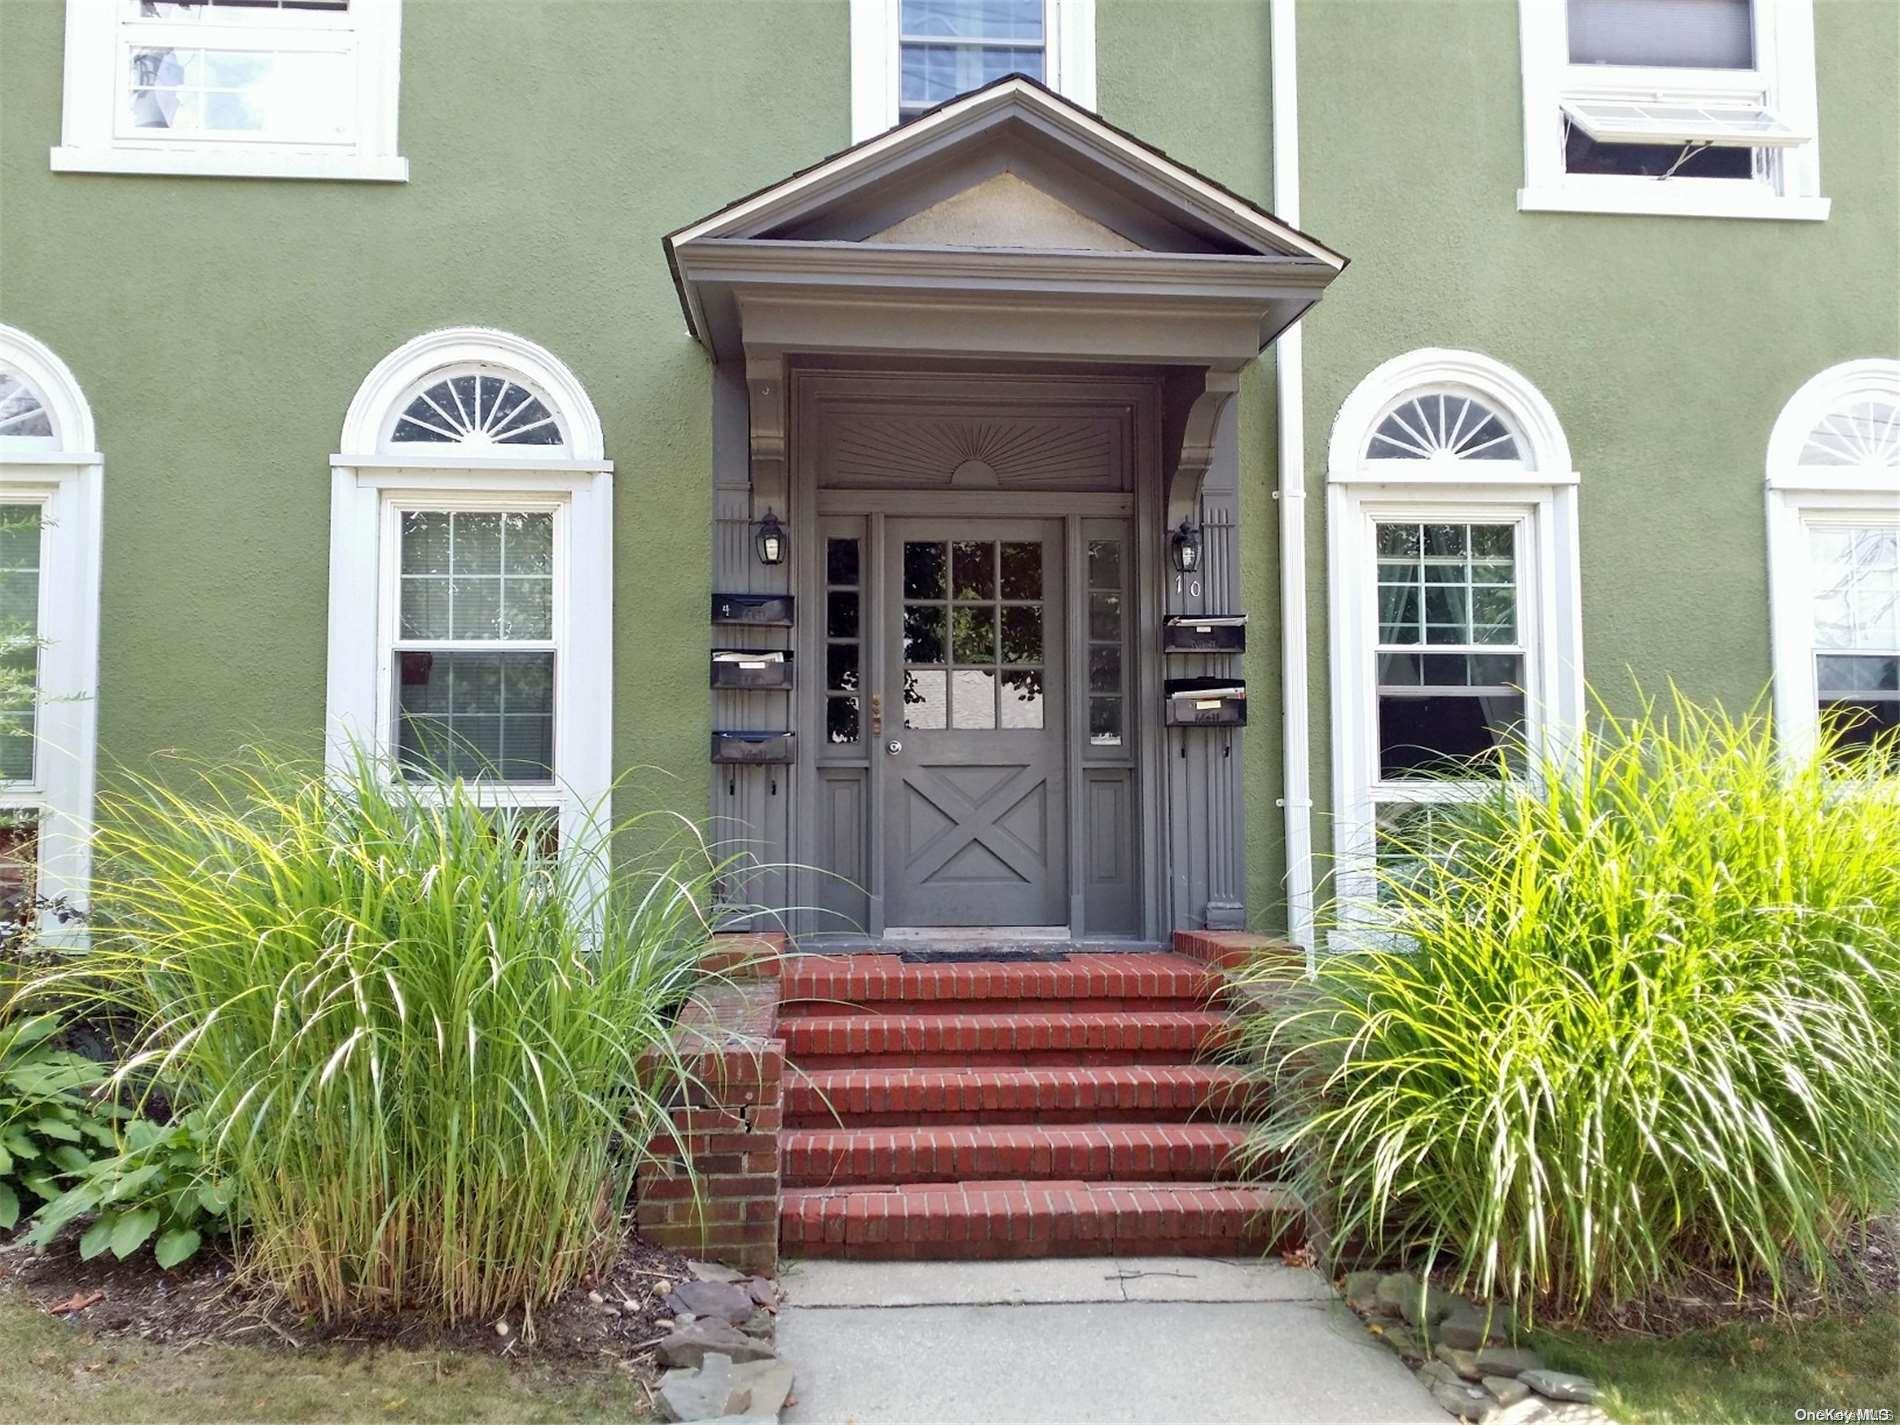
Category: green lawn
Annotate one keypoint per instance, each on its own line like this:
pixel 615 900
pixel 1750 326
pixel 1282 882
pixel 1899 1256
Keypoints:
pixel 1752 1373
pixel 54 1372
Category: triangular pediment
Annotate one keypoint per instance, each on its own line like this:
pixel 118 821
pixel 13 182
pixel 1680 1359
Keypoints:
pixel 1011 165
pixel 1004 210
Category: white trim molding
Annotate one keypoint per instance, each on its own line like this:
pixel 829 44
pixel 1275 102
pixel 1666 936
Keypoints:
pixel 373 479
pixel 877 65
pixel 64 476
pixel 1775 98
pixel 1536 494
pixel 1849 478
pixel 100 132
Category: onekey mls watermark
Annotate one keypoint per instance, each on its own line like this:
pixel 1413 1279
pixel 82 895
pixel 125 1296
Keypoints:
pixel 1847 1415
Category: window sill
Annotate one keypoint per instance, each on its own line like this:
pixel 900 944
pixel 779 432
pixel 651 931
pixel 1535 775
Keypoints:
pixel 1656 198
pixel 231 163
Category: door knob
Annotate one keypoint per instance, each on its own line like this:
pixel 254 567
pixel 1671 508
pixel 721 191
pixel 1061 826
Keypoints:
pixel 893 747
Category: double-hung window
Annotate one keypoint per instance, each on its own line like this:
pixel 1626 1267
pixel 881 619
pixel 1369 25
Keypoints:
pixel 471 584
pixel 1692 107
pixel 1834 559
pixel 50 491
pixel 263 88
pixel 1452 521
pixel 908 56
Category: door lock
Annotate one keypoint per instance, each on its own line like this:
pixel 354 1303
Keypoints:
pixel 877 713
pixel 893 747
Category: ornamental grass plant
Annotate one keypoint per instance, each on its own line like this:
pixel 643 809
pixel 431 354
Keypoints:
pixel 1633 1018
pixel 428 1054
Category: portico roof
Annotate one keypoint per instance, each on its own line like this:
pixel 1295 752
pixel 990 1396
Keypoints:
pixel 1008 222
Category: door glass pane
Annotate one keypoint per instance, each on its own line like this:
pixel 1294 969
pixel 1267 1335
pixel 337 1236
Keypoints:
pixel 841 667
pixel 1105 721
pixel 1022 633
pixel 926 699
pixel 841 720
pixel 841 614
pixel 1106 634
pixel 1022 571
pixel 973 699
pixel 973 569
pixel 973 634
pixel 841 561
pixel 1022 698
pixel 923 633
pixel 923 570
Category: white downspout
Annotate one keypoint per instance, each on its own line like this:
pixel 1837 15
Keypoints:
pixel 1296 787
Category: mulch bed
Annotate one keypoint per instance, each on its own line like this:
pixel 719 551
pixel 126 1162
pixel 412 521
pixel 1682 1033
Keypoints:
pixel 206 1299
pixel 1870 1274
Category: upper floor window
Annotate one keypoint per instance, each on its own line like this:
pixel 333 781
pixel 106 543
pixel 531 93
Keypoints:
pixel 259 88
pixel 1834 558
pixel 911 55
pixel 1694 107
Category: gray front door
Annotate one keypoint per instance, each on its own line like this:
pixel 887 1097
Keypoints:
pixel 975 817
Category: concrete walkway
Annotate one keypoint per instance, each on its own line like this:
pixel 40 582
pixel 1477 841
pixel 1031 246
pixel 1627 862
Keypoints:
pixel 1083 1340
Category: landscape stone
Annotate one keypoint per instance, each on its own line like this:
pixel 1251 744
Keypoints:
pixel 1468 1327
pixel 1560 1385
pixel 1428 1311
pixel 688 1346
pixel 1465 1401
pixel 1463 1362
pixel 1362 1292
pixel 1506 1391
pixel 1393 1290
pixel 761 1325
pixel 1558 1412
pixel 704 1394
pixel 714 1272
pixel 1518 1412
pixel 1407 1342
pixel 731 1304
pixel 763 1293
pixel 770 1383
pixel 1438 1373
pixel 1508 1360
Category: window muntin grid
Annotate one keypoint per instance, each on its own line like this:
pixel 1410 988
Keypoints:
pixel 1857 631
pixel 973 635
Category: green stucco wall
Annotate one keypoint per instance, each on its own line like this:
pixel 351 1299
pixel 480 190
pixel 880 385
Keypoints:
pixel 220 327
pixel 1666 345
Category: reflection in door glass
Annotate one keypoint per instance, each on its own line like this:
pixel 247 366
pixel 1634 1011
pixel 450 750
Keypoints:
pixel 926 699
pixel 1022 698
pixel 973 699
pixel 923 571
pixel 843 651
pixel 1022 571
pixel 1106 632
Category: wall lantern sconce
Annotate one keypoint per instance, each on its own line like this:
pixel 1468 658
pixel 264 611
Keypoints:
pixel 1185 547
pixel 768 537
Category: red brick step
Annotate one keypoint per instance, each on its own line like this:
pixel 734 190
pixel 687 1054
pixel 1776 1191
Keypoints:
pixel 831 985
pixel 1032 1219
pixel 899 1040
pixel 1123 1093
pixel 1131 1152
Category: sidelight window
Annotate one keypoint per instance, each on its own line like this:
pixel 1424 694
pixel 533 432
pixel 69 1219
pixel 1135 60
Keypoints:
pixel 973 635
pixel 266 88
pixel 844 642
pixel 1107 642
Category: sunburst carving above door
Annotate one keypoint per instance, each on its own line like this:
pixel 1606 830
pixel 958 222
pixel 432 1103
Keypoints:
pixel 874 451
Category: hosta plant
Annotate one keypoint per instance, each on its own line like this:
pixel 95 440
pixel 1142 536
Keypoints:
pixel 429 1049
pixel 159 1188
pixel 51 1122
pixel 1636 1016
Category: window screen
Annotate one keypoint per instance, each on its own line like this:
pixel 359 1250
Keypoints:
pixel 1857 633
pixel 1678 34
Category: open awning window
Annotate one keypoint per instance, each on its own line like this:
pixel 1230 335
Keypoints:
pixel 1728 125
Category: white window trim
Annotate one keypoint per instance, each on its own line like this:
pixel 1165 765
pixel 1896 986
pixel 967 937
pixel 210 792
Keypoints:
pixel 91 143
pixel 877 74
pixel 1800 498
pixel 1540 494
pixel 1784 71
pixel 66 478
pixel 371 484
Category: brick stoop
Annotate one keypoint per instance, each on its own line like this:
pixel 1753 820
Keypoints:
pixel 1016 1108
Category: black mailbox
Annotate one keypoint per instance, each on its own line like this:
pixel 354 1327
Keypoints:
pixel 1206 702
pixel 770 609
pixel 751 668
pixel 1204 633
pixel 758 747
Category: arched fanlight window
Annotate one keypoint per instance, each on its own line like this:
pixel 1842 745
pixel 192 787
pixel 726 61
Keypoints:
pixel 1443 425
pixel 480 408
pixel 23 412
pixel 1834 558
